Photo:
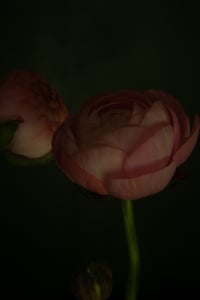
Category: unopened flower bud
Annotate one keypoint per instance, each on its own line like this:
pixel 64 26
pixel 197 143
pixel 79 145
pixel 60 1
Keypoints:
pixel 93 281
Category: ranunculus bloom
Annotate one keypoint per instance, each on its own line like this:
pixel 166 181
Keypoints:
pixel 28 97
pixel 125 144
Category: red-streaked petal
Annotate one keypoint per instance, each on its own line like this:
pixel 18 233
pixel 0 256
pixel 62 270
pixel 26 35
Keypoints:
pixel 99 160
pixel 152 155
pixel 139 187
pixel 71 169
pixel 185 150
pixel 137 114
pixel 176 129
pixel 101 100
pixel 130 137
pixel 64 139
pixel 63 145
pixel 157 113
pixel 169 100
pixel 32 140
pixel 125 138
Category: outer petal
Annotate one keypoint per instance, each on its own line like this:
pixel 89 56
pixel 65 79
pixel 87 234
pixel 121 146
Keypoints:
pixel 125 138
pixel 156 114
pixel 129 137
pixel 32 140
pixel 94 111
pixel 176 129
pixel 99 160
pixel 70 168
pixel 185 150
pixel 101 100
pixel 152 155
pixel 139 187
pixel 63 144
pixel 64 147
pixel 29 97
pixel 170 101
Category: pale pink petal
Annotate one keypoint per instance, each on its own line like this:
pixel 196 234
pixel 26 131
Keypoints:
pixel 176 129
pixel 28 97
pixel 185 150
pixel 71 169
pixel 137 114
pixel 31 140
pixel 99 160
pixel 157 113
pixel 115 117
pixel 169 100
pixel 103 103
pixel 139 187
pixel 106 112
pixel 129 137
pixel 152 155
pixel 62 146
pixel 125 138
pixel 127 96
pixel 101 117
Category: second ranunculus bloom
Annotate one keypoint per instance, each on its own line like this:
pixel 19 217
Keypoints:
pixel 28 98
pixel 125 144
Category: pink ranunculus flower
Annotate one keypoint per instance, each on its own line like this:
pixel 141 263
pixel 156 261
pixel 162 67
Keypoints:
pixel 126 144
pixel 28 97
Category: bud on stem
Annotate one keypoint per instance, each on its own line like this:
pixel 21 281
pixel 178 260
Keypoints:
pixel 93 281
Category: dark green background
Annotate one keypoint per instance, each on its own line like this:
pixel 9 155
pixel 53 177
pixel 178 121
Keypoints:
pixel 48 227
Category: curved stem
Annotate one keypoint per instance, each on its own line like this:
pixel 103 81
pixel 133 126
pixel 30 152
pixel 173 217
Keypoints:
pixel 134 260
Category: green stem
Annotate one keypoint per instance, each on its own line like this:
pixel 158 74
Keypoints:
pixel 133 277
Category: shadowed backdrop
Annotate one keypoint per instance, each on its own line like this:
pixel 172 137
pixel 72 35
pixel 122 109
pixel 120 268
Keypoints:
pixel 48 226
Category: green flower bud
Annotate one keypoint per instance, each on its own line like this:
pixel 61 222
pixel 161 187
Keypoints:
pixel 93 281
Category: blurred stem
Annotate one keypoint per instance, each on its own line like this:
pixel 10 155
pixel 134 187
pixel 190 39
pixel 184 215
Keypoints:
pixel 129 224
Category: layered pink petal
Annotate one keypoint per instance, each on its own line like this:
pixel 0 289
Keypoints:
pixel 170 101
pixel 137 114
pixel 123 144
pixel 176 129
pixel 71 168
pixel 63 146
pixel 185 150
pixel 104 113
pixel 101 100
pixel 130 137
pixel 125 138
pixel 28 97
pixel 103 104
pixel 151 155
pixel 156 114
pixel 100 160
pixel 139 187
pixel 32 140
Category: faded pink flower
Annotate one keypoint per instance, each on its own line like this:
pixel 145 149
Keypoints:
pixel 28 97
pixel 125 144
